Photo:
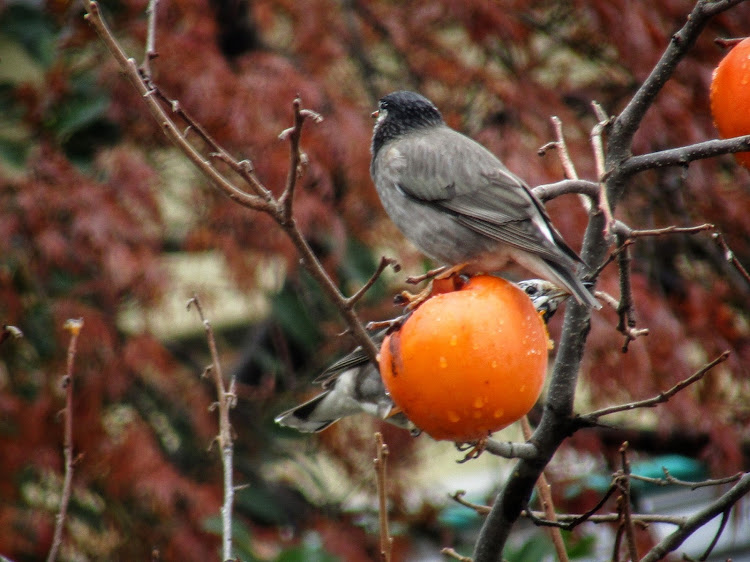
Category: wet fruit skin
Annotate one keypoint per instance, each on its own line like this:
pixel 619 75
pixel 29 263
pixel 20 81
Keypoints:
pixel 469 362
pixel 730 96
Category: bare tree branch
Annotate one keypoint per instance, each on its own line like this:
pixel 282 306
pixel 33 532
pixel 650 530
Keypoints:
pixel 623 484
pixel 226 399
pixel 510 450
pixel 627 123
pixel 74 326
pixel 697 520
pixel 381 454
pixel 730 257
pixel 671 480
pixel 548 504
pixel 548 191
pixel 683 155
pixel 262 200
pixel 455 555
pixel 661 397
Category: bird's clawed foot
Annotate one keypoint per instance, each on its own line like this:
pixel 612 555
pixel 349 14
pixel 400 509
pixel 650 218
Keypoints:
pixel 389 325
pixel 441 280
pixel 475 449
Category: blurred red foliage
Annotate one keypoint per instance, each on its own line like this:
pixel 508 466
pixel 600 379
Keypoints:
pixel 81 239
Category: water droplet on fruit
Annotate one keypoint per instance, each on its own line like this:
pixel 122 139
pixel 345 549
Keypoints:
pixel 453 416
pixel 494 364
pixel 498 413
pixel 454 340
pixel 522 388
pixel 443 362
pixel 479 402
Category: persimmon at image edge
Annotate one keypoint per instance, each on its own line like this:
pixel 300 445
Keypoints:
pixel 730 96
pixel 469 362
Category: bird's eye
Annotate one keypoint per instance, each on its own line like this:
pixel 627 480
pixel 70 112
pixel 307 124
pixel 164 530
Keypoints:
pixel 530 290
pixel 383 105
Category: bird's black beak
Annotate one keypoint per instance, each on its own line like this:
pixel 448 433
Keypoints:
pixel 375 114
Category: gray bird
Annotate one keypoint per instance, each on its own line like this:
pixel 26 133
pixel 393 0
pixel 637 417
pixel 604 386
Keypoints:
pixel 457 202
pixel 352 385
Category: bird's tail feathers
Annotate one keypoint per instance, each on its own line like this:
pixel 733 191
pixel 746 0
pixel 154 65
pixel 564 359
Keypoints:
pixel 566 277
pixel 561 274
pixel 303 417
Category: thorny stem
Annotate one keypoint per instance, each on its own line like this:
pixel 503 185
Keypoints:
pixel 74 327
pixel 226 399
pixel 150 51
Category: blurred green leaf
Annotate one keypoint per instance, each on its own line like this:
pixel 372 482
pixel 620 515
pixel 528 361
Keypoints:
pixel 308 551
pixel 14 152
pixel 81 110
pixel 537 547
pixel 242 538
pixel 581 547
pixel 259 504
pixel 33 29
pixel 291 310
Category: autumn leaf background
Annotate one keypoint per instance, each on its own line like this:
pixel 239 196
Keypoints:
pixel 101 218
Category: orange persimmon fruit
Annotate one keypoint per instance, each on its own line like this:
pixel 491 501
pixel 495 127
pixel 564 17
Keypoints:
pixel 469 362
pixel 730 96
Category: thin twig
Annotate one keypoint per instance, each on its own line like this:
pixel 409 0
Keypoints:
pixel 548 191
pixel 683 155
pixel 384 263
pixel 262 200
pixel 548 504
pixel 698 519
pixel 128 66
pixel 568 521
pixel 729 255
pixel 671 480
pixel 671 230
pixel 243 168
pixel 597 144
pixel 296 158
pixel 719 531
pixel 150 51
pixel 623 483
pixel 458 497
pixel 662 396
pixel 226 399
pixel 386 541
pixel 73 326
pixel 455 555
pixel 625 308
pixel 569 168
pixel 617 544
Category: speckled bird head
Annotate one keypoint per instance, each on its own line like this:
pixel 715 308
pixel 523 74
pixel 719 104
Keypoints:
pixel 400 113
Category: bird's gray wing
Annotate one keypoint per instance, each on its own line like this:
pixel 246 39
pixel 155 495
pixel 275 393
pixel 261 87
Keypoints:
pixel 527 228
pixel 461 177
pixel 355 358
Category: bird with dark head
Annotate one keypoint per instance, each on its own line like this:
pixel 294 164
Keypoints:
pixel 458 203
pixel 352 385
